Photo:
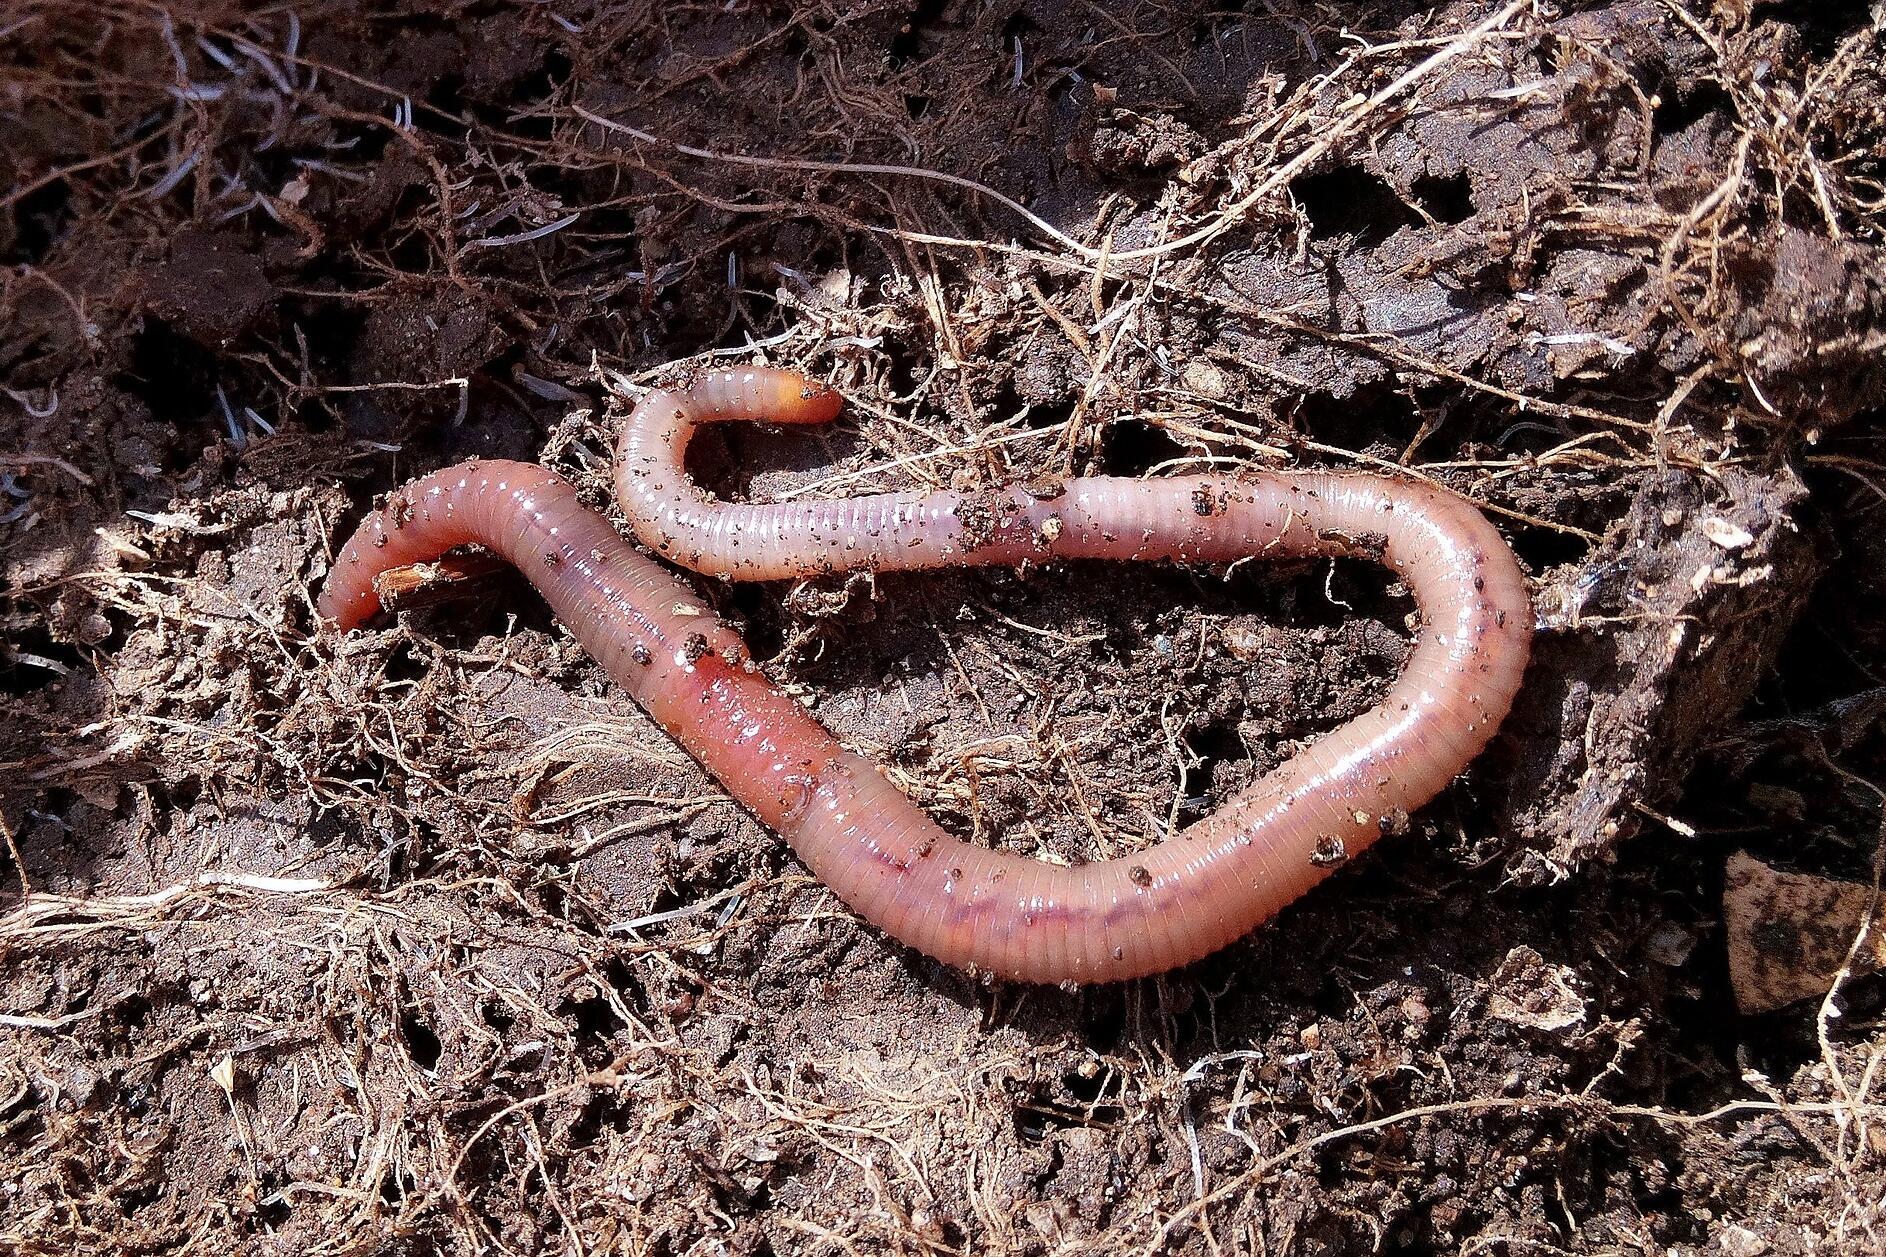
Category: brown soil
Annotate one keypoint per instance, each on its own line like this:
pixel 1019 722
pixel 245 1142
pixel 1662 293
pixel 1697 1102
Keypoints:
pixel 426 942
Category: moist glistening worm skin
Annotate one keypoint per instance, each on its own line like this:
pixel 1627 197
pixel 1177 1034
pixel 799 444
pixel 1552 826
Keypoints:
pixel 991 911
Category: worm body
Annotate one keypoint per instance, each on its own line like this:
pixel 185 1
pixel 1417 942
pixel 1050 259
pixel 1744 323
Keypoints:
pixel 968 905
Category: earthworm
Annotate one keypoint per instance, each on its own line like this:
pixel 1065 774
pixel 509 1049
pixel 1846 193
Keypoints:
pixel 987 910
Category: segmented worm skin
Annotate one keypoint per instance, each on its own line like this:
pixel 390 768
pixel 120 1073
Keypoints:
pixel 993 911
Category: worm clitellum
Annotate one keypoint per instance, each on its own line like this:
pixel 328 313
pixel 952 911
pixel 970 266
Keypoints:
pixel 971 906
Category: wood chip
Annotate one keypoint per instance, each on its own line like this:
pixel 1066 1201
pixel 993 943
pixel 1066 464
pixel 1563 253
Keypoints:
pixel 1728 535
pixel 1788 933
pixel 1531 991
pixel 428 584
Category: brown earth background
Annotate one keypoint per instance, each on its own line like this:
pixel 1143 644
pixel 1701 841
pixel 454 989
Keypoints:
pixel 427 942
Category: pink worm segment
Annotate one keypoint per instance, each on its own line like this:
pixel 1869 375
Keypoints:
pixel 967 905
